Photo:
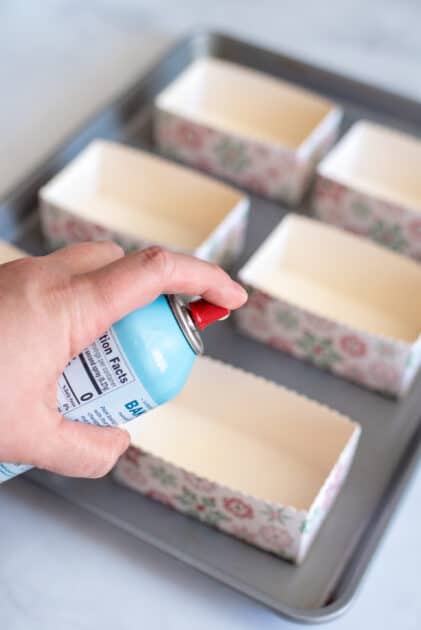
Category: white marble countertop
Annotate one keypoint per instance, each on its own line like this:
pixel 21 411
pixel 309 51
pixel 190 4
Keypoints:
pixel 60 59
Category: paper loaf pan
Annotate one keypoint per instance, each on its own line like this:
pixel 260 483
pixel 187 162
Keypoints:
pixel 111 191
pixel 342 302
pixel 370 184
pixel 264 468
pixel 258 131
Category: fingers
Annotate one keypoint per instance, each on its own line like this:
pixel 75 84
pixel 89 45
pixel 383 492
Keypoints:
pixel 83 450
pixel 137 279
pixel 86 257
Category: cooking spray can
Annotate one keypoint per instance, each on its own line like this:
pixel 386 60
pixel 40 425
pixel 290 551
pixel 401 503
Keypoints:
pixel 141 362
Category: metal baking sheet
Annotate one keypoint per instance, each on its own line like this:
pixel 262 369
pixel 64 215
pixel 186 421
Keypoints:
pixel 325 584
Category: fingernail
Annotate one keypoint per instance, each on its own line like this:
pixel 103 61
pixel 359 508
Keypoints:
pixel 241 292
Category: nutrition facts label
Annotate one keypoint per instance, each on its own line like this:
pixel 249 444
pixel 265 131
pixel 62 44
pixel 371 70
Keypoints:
pixel 99 386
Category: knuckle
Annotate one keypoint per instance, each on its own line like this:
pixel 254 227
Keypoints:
pixel 30 278
pixel 160 258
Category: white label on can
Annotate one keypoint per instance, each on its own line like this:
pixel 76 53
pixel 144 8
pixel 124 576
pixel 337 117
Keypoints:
pixel 99 386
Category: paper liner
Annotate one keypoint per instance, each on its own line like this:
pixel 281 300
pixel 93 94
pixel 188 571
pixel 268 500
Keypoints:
pixel 63 221
pixel 263 166
pixel 266 170
pixel 393 224
pixel 275 527
pixel 377 361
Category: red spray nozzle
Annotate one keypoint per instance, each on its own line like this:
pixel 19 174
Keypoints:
pixel 204 313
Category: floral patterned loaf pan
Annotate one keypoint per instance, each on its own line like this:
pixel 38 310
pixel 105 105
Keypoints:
pixel 273 488
pixel 111 191
pixel 262 133
pixel 370 184
pixel 342 302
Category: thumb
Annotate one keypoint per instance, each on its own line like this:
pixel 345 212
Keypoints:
pixel 83 450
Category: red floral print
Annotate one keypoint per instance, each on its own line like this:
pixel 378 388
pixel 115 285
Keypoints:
pixel 199 483
pixel 189 135
pixel 204 164
pixel 284 345
pixel 255 322
pixel 165 133
pixel 244 534
pixel 133 455
pixel 353 373
pixel 261 151
pixel 384 375
pixel 335 215
pixel 259 300
pixel 320 324
pixel 391 210
pixel 329 190
pixel 133 473
pixel 76 230
pixel 353 346
pixel 275 537
pixel 274 173
pixel 238 508
pixel 358 231
pixel 255 184
pixel 414 229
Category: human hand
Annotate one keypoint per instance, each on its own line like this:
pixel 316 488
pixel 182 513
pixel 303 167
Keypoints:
pixel 51 308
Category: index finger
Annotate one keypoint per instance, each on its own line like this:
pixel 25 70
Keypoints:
pixel 139 278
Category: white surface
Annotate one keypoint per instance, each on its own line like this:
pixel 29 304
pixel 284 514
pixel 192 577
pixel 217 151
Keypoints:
pixel 60 59
pixel 62 569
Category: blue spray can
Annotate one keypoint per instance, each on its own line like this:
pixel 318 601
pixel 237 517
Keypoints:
pixel 141 362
